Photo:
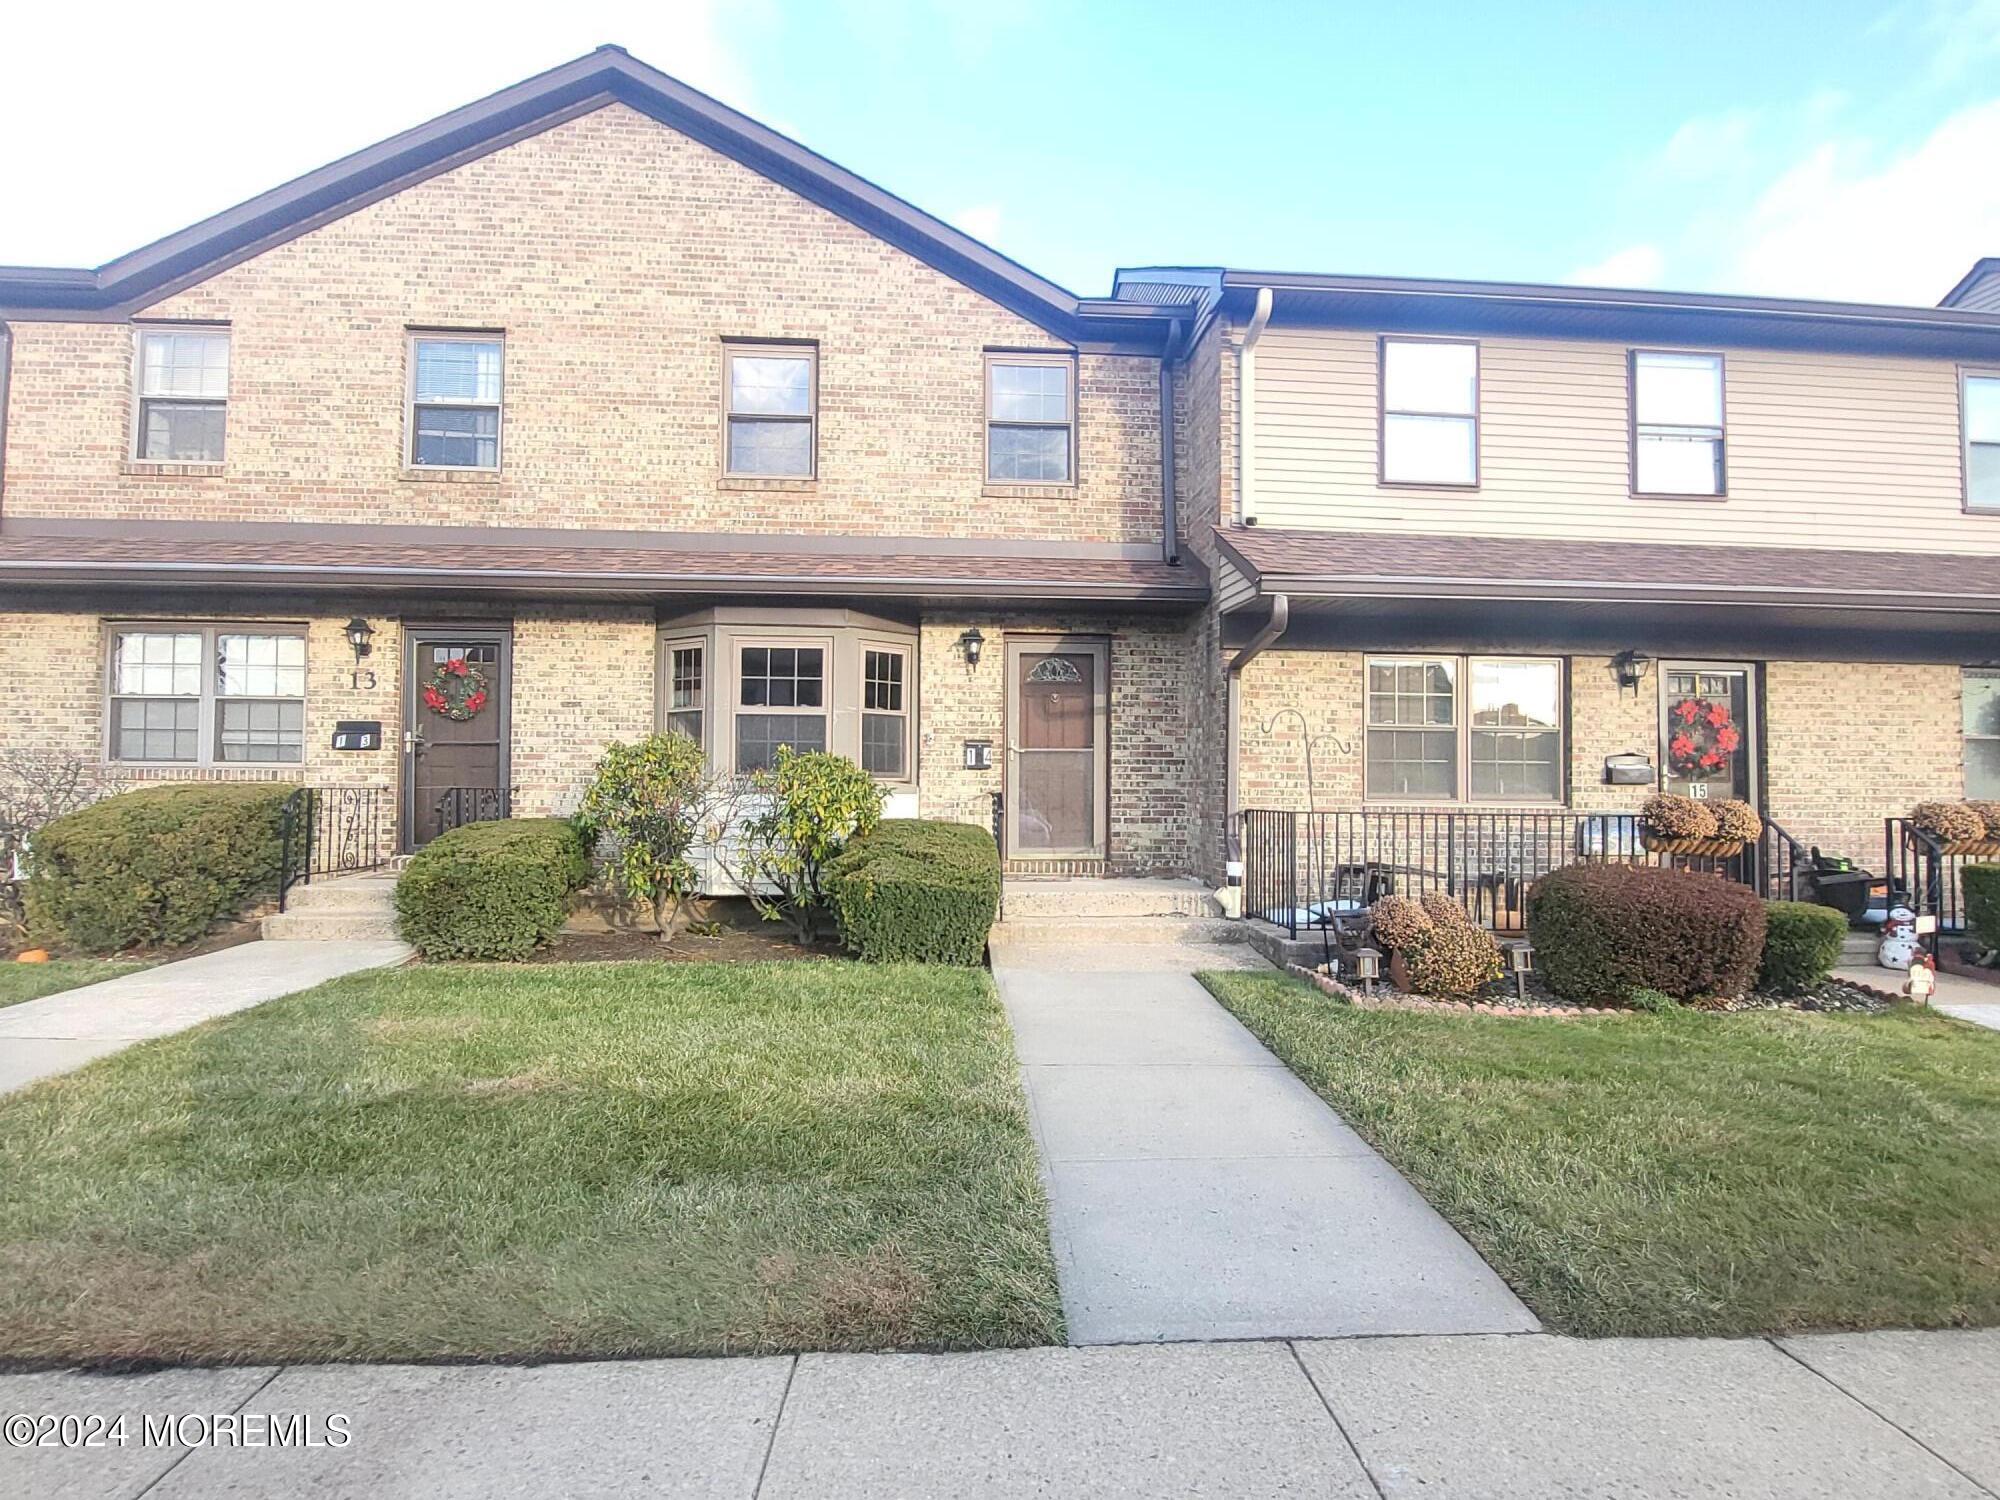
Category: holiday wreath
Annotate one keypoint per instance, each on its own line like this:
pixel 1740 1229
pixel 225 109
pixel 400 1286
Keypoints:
pixel 1702 740
pixel 456 689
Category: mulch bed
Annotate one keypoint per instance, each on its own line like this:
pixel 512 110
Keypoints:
pixel 742 938
pixel 1502 999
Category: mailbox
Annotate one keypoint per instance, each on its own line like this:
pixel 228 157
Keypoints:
pixel 357 734
pixel 1631 768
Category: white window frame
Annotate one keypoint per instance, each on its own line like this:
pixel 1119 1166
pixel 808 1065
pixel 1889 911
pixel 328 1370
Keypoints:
pixel 1382 474
pixel 1462 727
pixel 1966 375
pixel 141 397
pixel 413 338
pixel 704 693
pixel 210 697
pixel 1067 364
pixel 1965 735
pixel 809 352
pixel 906 713
pixel 1719 433
pixel 738 644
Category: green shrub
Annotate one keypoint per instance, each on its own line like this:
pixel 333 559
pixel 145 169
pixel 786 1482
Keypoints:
pixel 1981 884
pixel 491 890
pixel 814 803
pixel 1801 946
pixel 154 868
pixel 652 803
pixel 1603 930
pixel 1653 1001
pixel 916 891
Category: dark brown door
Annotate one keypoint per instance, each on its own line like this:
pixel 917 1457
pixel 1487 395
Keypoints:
pixel 455 740
pixel 1057 711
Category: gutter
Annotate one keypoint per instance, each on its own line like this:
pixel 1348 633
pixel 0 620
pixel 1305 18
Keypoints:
pixel 1281 619
pixel 1170 515
pixel 1246 394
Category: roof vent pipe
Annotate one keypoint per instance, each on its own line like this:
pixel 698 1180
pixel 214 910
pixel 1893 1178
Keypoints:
pixel 1246 396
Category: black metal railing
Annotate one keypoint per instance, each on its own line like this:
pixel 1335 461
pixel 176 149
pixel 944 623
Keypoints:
pixel 1926 871
pixel 1305 869
pixel 460 805
pixel 330 830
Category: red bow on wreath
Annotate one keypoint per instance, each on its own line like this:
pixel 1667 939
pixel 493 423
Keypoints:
pixel 456 689
pixel 1705 740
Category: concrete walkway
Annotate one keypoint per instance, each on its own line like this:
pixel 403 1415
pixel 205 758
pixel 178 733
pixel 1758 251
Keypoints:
pixel 1968 999
pixel 1883 1416
pixel 1197 1189
pixel 40 1038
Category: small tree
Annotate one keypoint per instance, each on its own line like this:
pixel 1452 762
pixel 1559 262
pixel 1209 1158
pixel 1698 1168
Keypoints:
pixel 652 803
pixel 813 803
pixel 37 787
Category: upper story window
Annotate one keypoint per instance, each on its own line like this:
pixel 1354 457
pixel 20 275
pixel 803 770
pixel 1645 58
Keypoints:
pixel 772 397
pixel 183 395
pixel 1980 397
pixel 1455 728
pixel 207 695
pixel 1430 412
pixel 1677 426
pixel 454 419
pixel 1030 423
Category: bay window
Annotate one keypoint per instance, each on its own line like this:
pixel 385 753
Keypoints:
pixel 781 700
pixel 885 714
pixel 1458 728
pixel 687 686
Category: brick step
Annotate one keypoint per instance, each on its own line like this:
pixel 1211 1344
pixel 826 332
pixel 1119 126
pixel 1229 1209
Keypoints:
pixel 1025 899
pixel 1082 931
pixel 328 925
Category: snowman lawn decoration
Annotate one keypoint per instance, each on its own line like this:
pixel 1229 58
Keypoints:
pixel 1898 949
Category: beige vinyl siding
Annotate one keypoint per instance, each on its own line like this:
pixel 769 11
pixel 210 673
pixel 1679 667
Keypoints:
pixel 1823 450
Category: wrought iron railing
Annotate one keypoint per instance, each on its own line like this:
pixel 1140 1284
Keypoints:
pixel 1925 871
pixel 1303 869
pixel 460 805
pixel 330 830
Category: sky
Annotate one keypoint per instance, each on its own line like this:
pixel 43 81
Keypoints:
pixel 1823 149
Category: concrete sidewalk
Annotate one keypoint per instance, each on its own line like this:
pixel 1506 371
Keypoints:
pixel 40 1038
pixel 1885 1416
pixel 1968 999
pixel 1197 1189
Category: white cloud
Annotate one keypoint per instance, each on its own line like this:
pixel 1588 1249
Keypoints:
pixel 272 91
pixel 1848 221
pixel 1961 33
pixel 981 221
pixel 1634 266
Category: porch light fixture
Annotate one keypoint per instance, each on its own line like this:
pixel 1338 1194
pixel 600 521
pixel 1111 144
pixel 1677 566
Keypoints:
pixel 1629 667
pixel 1521 959
pixel 1367 969
pixel 971 644
pixel 359 634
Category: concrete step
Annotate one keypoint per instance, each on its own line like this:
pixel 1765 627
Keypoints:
pixel 1859 947
pixel 1083 931
pixel 344 893
pixel 328 924
pixel 1022 898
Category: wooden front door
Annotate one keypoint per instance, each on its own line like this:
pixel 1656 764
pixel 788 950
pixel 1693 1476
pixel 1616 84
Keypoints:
pixel 1708 724
pixel 1058 719
pixel 455 718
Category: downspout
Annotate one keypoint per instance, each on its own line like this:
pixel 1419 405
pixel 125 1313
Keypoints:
pixel 1246 396
pixel 1281 617
pixel 1170 515
pixel 6 372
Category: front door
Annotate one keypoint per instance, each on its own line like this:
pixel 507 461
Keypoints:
pixel 455 715
pixel 1058 722
pixel 1708 721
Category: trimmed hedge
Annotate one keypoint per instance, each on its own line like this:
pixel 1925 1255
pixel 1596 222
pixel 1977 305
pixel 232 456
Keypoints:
pixel 1981 884
pixel 491 890
pixel 1801 945
pixel 154 868
pixel 915 890
pixel 1601 931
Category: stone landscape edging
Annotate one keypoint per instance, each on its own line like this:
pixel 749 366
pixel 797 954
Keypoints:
pixel 1328 985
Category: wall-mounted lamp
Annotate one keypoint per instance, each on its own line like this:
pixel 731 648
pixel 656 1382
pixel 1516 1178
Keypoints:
pixel 359 634
pixel 1629 667
pixel 970 645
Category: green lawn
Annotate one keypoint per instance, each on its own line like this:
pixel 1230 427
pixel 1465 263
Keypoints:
pixel 1687 1173
pixel 489 1161
pixel 20 982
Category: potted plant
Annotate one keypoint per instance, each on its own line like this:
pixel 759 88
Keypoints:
pixel 1671 824
pixel 1958 827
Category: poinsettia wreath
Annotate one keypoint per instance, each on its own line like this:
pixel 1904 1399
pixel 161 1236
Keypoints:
pixel 456 689
pixel 1703 738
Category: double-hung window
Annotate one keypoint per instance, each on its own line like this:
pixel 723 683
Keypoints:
pixel 687 663
pixel 183 395
pixel 1979 398
pixel 1979 709
pixel 454 419
pixel 1030 426
pixel 781 700
pixel 1677 424
pixel 1430 412
pixel 207 695
pixel 771 411
pixel 1457 728
pixel 885 712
